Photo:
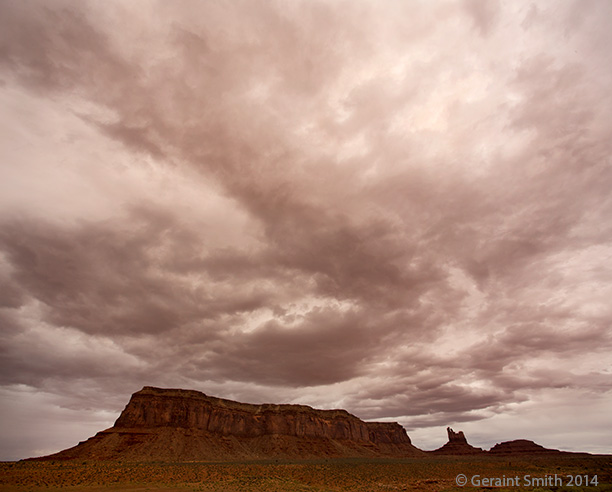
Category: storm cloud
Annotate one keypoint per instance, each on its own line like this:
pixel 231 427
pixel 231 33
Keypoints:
pixel 398 208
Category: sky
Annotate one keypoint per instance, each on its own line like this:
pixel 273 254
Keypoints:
pixel 399 208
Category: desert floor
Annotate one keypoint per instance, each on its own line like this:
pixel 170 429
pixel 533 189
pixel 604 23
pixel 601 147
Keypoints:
pixel 428 474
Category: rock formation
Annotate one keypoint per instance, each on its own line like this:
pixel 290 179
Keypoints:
pixel 457 444
pixel 521 447
pixel 174 424
pixel 184 425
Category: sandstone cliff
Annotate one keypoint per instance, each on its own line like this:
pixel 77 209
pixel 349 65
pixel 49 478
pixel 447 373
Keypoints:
pixel 173 424
pixel 184 425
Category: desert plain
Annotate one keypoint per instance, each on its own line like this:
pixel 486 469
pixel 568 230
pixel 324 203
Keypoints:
pixel 435 473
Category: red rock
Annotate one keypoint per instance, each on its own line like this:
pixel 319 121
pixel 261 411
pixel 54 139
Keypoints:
pixel 521 447
pixel 457 445
pixel 174 424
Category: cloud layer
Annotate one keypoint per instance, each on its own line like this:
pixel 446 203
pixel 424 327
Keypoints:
pixel 401 209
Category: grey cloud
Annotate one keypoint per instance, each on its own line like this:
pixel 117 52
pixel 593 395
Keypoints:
pixel 441 420
pixel 385 186
pixel 325 346
pixel 80 272
pixel 11 295
pixel 107 279
pixel 55 47
pixel 434 396
pixel 132 136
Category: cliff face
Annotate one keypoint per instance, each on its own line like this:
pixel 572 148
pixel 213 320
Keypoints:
pixel 152 407
pixel 173 424
pixel 184 425
pixel 387 433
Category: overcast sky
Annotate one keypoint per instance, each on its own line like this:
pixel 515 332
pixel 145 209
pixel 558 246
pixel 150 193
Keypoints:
pixel 399 208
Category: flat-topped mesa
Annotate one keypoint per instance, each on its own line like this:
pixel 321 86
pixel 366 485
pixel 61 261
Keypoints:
pixel 173 424
pixel 521 446
pixel 185 425
pixel 154 407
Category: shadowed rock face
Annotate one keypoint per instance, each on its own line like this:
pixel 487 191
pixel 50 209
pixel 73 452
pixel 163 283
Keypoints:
pixel 174 424
pixel 457 444
pixel 387 433
pixel 153 407
pixel 184 425
pixel 456 437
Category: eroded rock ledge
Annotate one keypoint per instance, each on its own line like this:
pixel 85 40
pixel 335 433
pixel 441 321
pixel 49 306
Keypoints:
pixel 176 424
pixel 185 425
pixel 156 407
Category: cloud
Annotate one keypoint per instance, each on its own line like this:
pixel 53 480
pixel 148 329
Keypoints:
pixel 40 47
pixel 484 14
pixel 354 204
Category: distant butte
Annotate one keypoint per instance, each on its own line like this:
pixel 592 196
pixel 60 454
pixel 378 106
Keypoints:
pixel 521 446
pixel 457 445
pixel 185 425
